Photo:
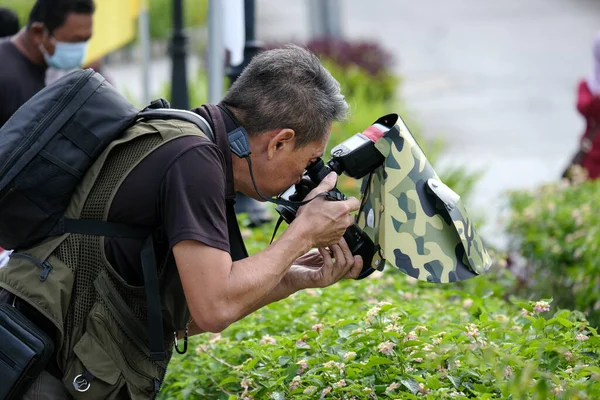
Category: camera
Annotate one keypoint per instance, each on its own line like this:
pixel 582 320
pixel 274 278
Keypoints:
pixel 356 157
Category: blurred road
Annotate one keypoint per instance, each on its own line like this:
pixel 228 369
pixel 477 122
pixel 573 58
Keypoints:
pixel 496 80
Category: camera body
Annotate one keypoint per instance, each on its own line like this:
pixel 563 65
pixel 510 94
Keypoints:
pixel 355 157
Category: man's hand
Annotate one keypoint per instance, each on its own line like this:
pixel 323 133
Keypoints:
pixel 323 220
pixel 324 267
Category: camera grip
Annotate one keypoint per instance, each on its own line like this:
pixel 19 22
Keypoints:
pixel 361 244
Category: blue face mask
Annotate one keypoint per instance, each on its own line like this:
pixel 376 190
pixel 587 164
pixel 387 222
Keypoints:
pixel 66 55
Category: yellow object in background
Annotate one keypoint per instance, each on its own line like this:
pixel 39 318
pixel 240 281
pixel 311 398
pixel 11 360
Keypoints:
pixel 115 25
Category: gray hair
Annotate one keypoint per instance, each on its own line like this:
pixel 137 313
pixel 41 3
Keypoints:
pixel 287 88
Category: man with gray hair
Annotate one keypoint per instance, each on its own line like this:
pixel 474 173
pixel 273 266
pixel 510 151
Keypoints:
pixel 172 180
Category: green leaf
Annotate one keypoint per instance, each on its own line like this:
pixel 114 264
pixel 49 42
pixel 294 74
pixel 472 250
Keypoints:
pixel 229 379
pixel 375 360
pixel 481 388
pixel 519 303
pixel 455 381
pixel 284 360
pixel 252 363
pixel 539 324
pixel 563 321
pixel 411 385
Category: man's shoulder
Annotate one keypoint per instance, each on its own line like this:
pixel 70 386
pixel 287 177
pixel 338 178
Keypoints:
pixel 187 150
pixel 13 67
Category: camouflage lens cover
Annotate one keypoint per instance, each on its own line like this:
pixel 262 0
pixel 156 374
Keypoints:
pixel 420 224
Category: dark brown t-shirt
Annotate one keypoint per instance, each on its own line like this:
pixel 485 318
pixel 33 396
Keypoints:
pixel 20 79
pixel 181 187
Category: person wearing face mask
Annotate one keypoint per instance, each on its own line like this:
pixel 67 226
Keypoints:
pixel 56 36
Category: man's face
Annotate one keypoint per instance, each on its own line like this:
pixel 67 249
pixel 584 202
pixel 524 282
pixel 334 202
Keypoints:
pixel 284 165
pixel 77 28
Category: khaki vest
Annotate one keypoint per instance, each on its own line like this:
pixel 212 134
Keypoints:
pixel 102 321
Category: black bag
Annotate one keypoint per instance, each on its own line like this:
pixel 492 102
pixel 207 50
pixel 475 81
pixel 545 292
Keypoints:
pixel 24 353
pixel 49 143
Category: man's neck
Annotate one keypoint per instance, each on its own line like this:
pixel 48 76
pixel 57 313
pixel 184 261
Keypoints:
pixel 25 45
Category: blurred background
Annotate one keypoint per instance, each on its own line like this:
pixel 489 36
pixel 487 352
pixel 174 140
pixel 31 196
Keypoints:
pixel 491 85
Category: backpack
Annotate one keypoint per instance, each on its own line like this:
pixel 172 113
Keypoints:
pixel 47 146
pixel 49 143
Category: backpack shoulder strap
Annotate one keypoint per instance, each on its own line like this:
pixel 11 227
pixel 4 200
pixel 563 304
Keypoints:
pixel 184 115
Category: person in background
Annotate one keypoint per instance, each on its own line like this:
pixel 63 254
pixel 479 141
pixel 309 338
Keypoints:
pixel 588 105
pixel 9 22
pixel 56 36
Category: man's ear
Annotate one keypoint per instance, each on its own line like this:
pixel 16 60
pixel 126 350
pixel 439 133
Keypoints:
pixel 284 139
pixel 37 30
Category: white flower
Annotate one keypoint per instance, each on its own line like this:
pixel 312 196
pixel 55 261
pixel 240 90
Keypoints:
pixel 318 328
pixel 310 390
pixel 410 336
pixel 386 347
pixel 472 330
pixel 467 303
pixel 541 306
pixel 246 383
pixel 558 389
pixel 581 337
pixel 508 371
pixel 340 383
pixel 349 356
pixel 392 386
pixel 268 339
pixel 372 313
pixel 201 349
pixel 420 328
pixel 295 383
pixel 303 366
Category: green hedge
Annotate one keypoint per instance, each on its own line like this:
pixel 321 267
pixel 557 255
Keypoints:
pixel 556 229
pixel 161 16
pixel 389 337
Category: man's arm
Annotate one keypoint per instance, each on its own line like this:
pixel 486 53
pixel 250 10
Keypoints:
pixel 309 271
pixel 219 292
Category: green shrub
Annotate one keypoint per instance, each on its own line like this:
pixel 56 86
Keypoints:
pixel 556 229
pixel 389 337
pixel 161 16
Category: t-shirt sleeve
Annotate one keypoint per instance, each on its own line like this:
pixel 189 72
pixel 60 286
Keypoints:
pixel 192 198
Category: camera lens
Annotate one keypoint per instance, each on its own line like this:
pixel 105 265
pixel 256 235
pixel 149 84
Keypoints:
pixel 317 171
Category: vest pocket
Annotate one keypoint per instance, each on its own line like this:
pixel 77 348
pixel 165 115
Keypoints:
pixel 92 373
pixel 123 354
